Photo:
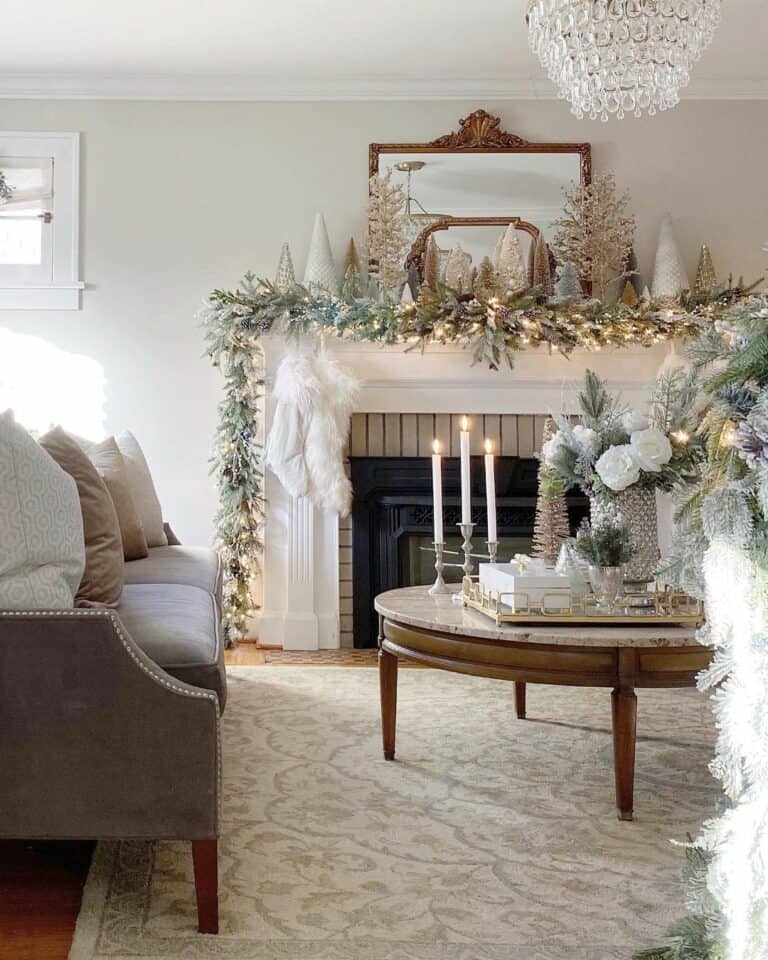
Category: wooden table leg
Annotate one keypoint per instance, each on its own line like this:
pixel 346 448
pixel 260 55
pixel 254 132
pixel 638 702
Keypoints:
pixel 624 709
pixel 388 692
pixel 520 699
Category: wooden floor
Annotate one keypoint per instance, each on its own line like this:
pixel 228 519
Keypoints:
pixel 41 883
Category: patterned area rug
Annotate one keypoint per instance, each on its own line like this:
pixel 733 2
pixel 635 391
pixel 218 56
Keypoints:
pixel 489 839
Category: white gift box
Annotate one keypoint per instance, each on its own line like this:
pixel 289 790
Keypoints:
pixel 535 586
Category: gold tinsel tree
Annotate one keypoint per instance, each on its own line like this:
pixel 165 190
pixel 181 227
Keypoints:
pixel 550 528
pixel 432 265
pixel 486 282
pixel 531 261
pixel 706 278
pixel 351 285
pixel 387 236
pixel 629 297
pixel 596 232
pixel 542 271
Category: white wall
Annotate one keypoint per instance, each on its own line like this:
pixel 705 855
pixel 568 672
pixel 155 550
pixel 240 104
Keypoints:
pixel 180 197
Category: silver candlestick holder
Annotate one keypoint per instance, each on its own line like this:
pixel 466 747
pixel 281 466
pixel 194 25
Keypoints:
pixel 439 587
pixel 466 533
pixel 493 549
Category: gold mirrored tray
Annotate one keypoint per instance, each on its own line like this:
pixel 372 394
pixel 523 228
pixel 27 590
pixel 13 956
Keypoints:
pixel 661 606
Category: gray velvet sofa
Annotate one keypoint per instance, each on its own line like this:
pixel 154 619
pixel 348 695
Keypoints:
pixel 109 719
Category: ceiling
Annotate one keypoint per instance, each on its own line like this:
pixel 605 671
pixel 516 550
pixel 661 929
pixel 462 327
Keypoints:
pixel 315 49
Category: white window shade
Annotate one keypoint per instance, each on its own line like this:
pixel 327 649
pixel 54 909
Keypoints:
pixel 39 221
pixel 30 180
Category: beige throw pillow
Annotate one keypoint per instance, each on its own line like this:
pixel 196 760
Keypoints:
pixel 102 581
pixel 108 460
pixel 142 489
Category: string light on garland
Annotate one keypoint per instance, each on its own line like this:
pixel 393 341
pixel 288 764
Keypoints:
pixel 492 332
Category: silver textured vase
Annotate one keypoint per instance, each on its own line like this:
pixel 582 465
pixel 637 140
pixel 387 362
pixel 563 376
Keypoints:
pixel 607 583
pixel 636 507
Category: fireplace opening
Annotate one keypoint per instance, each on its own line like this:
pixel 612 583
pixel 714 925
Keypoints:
pixel 392 520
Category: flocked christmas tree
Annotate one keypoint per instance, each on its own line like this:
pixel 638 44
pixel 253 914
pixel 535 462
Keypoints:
pixel 387 235
pixel 513 275
pixel 432 265
pixel 568 285
pixel 595 232
pixel 285 277
pixel 458 271
pixel 550 528
pixel 706 278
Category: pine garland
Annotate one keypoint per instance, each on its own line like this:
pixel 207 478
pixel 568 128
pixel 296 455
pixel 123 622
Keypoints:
pixel 492 330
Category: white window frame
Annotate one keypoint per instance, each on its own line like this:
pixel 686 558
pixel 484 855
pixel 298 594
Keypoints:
pixel 61 291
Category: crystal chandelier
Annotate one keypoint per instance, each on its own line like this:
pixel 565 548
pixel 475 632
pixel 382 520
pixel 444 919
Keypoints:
pixel 614 57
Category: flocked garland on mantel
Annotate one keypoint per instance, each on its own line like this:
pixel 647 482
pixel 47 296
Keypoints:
pixel 492 331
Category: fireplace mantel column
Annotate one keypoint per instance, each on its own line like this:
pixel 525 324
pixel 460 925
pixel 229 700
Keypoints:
pixel 299 574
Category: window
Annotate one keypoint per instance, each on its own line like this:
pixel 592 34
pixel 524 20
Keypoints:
pixel 39 206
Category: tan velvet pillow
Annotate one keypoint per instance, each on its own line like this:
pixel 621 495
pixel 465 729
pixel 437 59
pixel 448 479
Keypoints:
pixel 102 581
pixel 108 460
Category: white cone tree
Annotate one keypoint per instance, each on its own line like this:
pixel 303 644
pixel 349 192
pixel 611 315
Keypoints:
pixel 669 274
pixel 285 277
pixel 320 272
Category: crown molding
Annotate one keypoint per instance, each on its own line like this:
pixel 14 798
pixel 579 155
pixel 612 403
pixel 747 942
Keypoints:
pixel 287 88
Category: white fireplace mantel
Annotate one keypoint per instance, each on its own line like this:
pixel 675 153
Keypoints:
pixel 299 590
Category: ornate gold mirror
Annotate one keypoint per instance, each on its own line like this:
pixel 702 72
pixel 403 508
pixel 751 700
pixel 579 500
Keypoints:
pixel 464 189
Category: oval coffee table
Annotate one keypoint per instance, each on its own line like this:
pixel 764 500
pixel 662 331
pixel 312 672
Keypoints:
pixel 440 633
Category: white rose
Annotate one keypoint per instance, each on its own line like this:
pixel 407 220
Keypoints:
pixel 587 439
pixel 634 420
pixel 551 448
pixel 651 448
pixel 617 467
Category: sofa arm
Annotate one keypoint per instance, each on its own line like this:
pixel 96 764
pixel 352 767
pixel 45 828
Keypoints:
pixel 98 741
pixel 173 540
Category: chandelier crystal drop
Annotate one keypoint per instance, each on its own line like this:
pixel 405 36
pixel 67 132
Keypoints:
pixel 619 57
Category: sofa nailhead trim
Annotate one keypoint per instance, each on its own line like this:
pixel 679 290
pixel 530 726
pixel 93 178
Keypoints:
pixel 128 647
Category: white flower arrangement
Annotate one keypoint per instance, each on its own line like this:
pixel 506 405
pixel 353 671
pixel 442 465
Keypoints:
pixel 613 448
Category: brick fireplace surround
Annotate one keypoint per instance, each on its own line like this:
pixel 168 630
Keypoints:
pixel 407 399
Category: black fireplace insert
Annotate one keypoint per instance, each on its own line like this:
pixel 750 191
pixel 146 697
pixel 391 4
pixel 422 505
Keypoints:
pixel 392 523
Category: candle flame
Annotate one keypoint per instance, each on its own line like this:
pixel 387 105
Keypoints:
pixel 436 445
pixel 488 445
pixel 465 424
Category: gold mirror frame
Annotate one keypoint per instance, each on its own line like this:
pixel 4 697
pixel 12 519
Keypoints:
pixel 480 132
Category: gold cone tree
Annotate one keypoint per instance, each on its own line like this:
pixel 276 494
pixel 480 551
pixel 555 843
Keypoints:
pixel 551 528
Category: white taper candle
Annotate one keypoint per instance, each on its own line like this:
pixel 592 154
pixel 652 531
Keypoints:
pixel 466 486
pixel 437 490
pixel 490 490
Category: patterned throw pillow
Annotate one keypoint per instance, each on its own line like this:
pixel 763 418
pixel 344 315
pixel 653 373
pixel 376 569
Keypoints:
pixel 41 527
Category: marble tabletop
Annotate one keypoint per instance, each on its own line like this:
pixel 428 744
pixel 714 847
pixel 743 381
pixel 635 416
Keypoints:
pixel 414 607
